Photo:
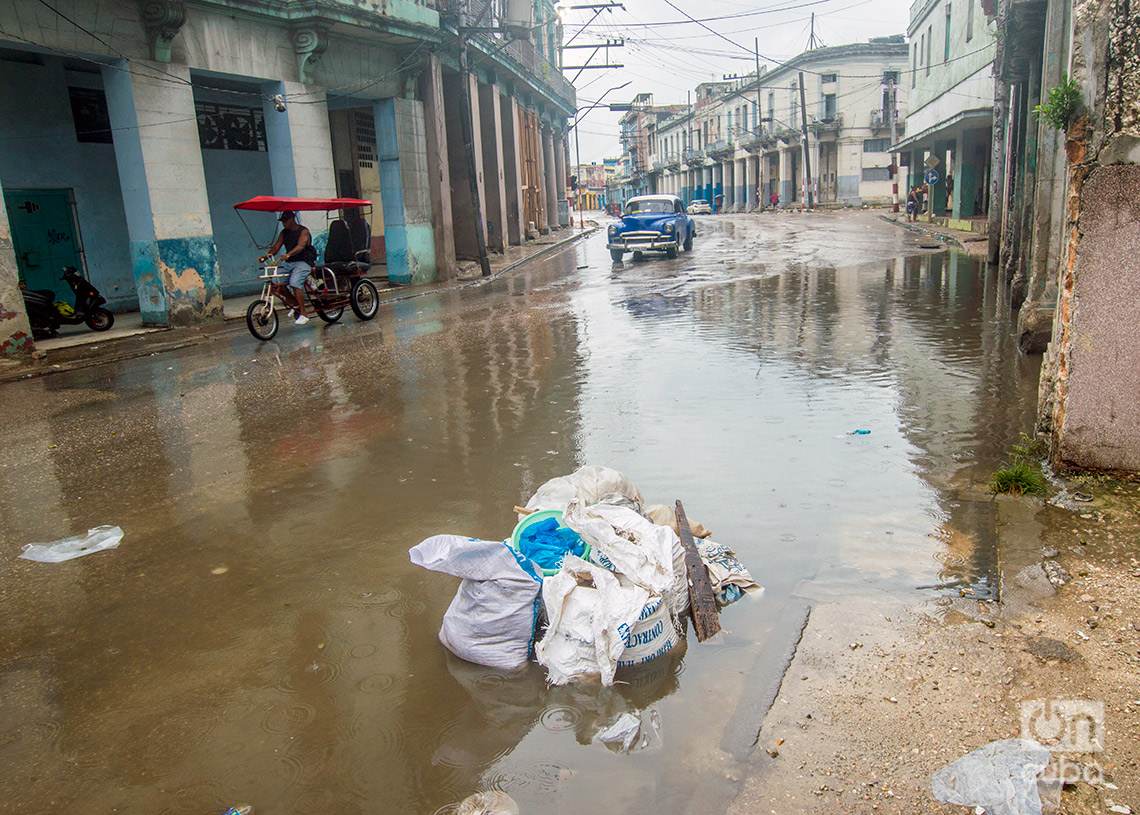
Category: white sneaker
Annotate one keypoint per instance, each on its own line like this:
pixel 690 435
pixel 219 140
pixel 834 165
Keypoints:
pixel 301 320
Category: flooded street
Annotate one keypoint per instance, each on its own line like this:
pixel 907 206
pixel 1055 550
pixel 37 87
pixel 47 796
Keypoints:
pixel 260 636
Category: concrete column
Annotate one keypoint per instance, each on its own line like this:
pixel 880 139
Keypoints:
pixel 788 181
pixel 300 147
pixel 163 183
pixel 15 332
pixel 550 181
pixel 512 168
pixel 963 176
pixel 405 191
pixel 560 164
pixel 491 122
pixel 439 171
pixel 462 204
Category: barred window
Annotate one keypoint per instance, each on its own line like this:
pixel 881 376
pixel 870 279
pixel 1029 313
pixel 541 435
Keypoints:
pixel 89 112
pixel 364 125
pixel 231 127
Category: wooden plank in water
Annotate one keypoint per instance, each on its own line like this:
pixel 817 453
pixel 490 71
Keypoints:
pixel 702 601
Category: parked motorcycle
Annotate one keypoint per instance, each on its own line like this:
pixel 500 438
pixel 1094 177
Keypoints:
pixel 46 314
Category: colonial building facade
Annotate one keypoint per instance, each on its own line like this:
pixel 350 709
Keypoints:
pixel 741 141
pixel 130 129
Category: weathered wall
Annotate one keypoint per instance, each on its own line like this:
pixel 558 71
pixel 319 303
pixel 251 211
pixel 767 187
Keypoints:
pixel 41 151
pixel 15 333
pixel 1091 376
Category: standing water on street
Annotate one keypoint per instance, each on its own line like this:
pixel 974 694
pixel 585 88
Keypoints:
pixel 824 395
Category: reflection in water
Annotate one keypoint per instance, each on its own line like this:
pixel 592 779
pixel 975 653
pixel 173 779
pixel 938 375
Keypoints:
pixel 260 635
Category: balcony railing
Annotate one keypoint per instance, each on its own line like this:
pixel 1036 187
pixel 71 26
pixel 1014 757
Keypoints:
pixel 721 148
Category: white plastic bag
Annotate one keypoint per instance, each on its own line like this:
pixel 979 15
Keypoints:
pixel 632 732
pixel 1001 777
pixel 96 540
pixel 588 484
pixel 491 620
pixel 590 614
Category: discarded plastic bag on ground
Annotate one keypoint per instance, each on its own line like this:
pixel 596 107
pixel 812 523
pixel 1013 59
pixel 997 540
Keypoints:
pixel 490 802
pixel 729 577
pixel 492 618
pixel 632 732
pixel 1000 777
pixel 589 614
pixel 96 540
pixel 588 484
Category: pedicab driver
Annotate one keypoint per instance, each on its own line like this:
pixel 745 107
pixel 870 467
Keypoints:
pixel 298 259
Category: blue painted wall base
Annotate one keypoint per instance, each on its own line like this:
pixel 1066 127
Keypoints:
pixel 177 280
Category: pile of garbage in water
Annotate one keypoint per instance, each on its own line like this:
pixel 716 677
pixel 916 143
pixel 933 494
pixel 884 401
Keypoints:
pixel 592 580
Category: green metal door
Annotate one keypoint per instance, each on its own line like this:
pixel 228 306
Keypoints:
pixel 44 237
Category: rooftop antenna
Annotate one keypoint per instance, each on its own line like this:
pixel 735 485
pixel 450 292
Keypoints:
pixel 814 41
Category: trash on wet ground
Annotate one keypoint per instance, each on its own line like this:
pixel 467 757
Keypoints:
pixel 244 809
pixel 591 581
pixel 492 619
pixel 1000 777
pixel 96 540
pixel 632 732
pixel 853 433
pixel 489 802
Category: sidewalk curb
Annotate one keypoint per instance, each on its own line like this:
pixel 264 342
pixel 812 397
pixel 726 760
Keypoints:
pixel 34 368
pixel 919 228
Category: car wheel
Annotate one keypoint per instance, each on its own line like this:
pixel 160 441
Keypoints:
pixel 637 255
pixel 617 255
pixel 689 243
pixel 671 252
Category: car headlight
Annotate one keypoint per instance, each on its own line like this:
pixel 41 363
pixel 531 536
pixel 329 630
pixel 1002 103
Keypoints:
pixel 613 230
pixel 669 227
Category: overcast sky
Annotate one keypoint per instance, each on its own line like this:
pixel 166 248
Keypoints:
pixel 668 55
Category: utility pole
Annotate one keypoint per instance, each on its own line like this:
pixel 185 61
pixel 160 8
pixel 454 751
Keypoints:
pixel 467 127
pixel 759 108
pixel 891 91
pixel 808 197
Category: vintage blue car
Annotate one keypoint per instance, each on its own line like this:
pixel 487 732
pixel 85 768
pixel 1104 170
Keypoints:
pixel 651 223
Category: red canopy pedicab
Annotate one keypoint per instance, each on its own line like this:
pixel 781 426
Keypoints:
pixel 339 281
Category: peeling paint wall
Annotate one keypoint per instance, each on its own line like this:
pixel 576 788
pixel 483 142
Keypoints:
pixel 15 333
pixel 1091 374
pixel 409 236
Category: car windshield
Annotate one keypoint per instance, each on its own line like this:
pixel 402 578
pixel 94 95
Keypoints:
pixel 700 201
pixel 635 207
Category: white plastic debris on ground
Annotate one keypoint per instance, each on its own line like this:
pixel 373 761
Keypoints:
pixel 96 540
pixel 1001 777
pixel 589 615
pixel 632 732
pixel 491 621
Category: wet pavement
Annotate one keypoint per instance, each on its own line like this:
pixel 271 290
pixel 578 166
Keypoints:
pixel 260 636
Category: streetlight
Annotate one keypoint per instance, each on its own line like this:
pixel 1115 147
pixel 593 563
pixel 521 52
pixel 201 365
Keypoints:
pixel 578 117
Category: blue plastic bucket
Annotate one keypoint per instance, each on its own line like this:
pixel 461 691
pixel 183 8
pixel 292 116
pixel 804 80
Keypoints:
pixel 537 517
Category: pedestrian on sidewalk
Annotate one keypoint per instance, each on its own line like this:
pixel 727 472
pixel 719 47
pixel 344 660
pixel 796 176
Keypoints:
pixel 911 204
